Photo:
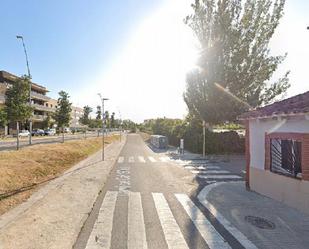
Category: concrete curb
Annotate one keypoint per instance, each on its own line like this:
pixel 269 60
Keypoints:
pixel 202 197
pixel 53 216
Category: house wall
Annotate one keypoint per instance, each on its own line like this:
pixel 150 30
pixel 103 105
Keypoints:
pixel 291 191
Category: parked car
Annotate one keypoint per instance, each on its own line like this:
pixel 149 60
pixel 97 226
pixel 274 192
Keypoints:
pixel 24 133
pixel 38 132
pixel 50 132
pixel 67 130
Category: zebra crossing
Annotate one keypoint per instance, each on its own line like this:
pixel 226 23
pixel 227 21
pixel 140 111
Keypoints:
pixel 142 159
pixel 208 171
pixel 101 234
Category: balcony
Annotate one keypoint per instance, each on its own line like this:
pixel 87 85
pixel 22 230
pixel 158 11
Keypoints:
pixel 36 117
pixel 35 95
pixel 43 108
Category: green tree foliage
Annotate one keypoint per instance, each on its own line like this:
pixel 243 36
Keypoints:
pixel 17 101
pixel 63 112
pixel 3 118
pixel 86 117
pixel 113 121
pixel 99 113
pixel 47 122
pixel 235 64
pixel 107 119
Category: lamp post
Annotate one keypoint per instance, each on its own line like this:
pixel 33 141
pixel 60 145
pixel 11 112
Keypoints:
pixel 29 76
pixel 103 123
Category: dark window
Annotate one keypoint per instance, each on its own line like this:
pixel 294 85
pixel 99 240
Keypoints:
pixel 285 155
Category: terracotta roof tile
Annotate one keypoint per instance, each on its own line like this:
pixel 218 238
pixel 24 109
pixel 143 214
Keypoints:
pixel 298 104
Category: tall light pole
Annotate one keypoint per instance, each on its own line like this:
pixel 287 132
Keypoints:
pixel 103 123
pixel 29 76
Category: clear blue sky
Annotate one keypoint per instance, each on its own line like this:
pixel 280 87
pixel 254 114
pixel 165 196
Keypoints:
pixel 67 40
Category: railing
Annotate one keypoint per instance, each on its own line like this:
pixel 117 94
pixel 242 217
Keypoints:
pixel 38 117
pixel 43 108
pixel 39 96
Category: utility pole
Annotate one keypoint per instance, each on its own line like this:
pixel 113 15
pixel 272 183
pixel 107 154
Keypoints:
pixel 103 123
pixel 204 137
pixel 29 76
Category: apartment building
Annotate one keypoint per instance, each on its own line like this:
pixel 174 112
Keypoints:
pixel 42 104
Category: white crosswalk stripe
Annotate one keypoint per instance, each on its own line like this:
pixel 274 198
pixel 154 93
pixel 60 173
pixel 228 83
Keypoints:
pixel 101 234
pixel 219 176
pixel 210 171
pixel 213 239
pixel 131 159
pixel 136 225
pixel 141 159
pixel 202 167
pixel 164 159
pixel 121 159
pixel 171 230
pixel 151 159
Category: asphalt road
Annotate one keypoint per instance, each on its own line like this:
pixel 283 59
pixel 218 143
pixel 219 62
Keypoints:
pixel 150 202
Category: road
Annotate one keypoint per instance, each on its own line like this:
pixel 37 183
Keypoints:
pixel 11 143
pixel 150 202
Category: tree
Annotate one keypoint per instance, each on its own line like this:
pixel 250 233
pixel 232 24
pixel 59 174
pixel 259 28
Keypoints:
pixel 235 65
pixel 17 101
pixel 47 123
pixel 86 119
pixel 106 119
pixel 112 121
pixel 3 118
pixel 99 113
pixel 63 112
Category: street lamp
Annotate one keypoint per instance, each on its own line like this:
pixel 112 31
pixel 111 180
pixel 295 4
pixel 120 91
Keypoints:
pixel 103 123
pixel 29 76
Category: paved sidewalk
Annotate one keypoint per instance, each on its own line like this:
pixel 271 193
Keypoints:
pixel 54 215
pixel 231 203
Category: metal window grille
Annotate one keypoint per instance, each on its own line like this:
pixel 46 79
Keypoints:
pixel 286 157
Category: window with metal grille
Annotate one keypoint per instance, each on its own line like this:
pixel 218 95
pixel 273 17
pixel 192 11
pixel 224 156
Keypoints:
pixel 285 155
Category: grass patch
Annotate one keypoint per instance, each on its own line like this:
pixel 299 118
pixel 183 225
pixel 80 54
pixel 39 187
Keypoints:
pixel 40 163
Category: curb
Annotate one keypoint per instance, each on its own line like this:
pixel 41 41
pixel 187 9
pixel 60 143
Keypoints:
pixel 202 197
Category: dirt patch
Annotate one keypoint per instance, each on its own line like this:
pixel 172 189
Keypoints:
pixel 22 172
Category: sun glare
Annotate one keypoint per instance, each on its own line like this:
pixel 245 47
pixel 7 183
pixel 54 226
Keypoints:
pixel 152 68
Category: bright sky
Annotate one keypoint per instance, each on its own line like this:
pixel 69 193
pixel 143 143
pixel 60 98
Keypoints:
pixel 134 52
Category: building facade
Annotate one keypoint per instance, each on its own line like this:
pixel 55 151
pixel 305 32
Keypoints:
pixel 42 104
pixel 277 151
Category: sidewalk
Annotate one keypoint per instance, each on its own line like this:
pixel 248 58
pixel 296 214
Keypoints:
pixel 54 215
pixel 234 206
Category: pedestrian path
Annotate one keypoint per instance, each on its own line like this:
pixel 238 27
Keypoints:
pixel 174 235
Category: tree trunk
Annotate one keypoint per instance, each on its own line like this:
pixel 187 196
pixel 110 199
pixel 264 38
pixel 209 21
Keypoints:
pixel 17 130
pixel 62 135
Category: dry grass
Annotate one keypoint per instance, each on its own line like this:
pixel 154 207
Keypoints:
pixel 39 163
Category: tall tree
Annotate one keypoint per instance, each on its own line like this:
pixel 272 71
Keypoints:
pixel 17 101
pixel 99 113
pixel 63 112
pixel 113 124
pixel 106 119
pixel 3 118
pixel 86 117
pixel 235 64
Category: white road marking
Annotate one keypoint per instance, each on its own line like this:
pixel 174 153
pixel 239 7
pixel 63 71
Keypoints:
pixel 171 230
pixel 219 176
pixel 141 159
pixel 246 243
pixel 136 225
pixel 164 159
pixel 210 171
pixel 202 167
pixel 101 234
pixel 213 239
pixel 131 159
pixel 152 159
pixel 121 159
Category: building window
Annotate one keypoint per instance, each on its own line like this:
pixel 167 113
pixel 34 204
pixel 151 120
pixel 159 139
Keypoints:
pixel 285 156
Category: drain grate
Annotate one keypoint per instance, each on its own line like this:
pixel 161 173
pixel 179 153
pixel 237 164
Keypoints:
pixel 260 222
